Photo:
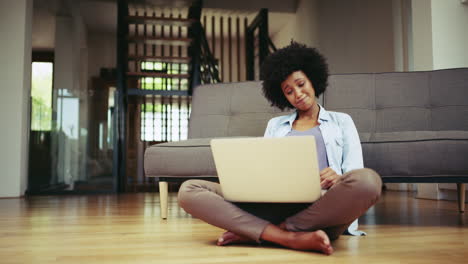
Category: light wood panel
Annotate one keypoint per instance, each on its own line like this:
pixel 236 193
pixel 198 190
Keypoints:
pixel 128 229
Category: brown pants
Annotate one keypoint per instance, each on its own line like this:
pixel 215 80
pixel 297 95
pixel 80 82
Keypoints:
pixel 348 199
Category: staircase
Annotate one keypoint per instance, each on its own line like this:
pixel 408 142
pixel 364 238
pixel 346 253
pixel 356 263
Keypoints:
pixel 143 61
pixel 162 56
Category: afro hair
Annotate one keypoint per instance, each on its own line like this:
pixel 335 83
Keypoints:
pixel 295 57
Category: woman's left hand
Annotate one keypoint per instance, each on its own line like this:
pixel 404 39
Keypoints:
pixel 328 178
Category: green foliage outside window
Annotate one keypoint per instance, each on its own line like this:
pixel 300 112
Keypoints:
pixel 41 95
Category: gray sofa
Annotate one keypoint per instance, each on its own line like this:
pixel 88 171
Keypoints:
pixel 413 126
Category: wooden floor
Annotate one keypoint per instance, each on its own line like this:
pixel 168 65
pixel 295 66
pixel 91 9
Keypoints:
pixel 127 229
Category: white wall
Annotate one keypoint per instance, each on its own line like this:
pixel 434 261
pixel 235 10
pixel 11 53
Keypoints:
pixel 307 25
pixel 439 34
pixel 421 50
pixel 356 35
pixel 287 29
pixel 43 32
pixel 449 34
pixel 300 26
pixel 15 86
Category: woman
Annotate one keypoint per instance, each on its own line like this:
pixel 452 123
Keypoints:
pixel 293 77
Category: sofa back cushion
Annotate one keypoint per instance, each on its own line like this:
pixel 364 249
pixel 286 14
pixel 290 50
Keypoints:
pixel 449 99
pixel 378 102
pixel 229 109
pixel 402 101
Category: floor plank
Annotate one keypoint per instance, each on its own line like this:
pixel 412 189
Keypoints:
pixel 127 229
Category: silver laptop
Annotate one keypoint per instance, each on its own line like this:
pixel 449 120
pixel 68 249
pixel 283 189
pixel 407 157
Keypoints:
pixel 276 170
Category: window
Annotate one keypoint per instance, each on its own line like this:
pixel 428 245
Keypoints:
pixel 164 118
pixel 156 83
pixel 41 96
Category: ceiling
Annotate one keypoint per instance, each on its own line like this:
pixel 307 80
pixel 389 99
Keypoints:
pixel 100 16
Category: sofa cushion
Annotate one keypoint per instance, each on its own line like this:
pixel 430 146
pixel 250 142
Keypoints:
pixel 353 94
pixel 402 101
pixel 449 90
pixel 409 153
pixel 417 153
pixel 230 110
pixel 188 158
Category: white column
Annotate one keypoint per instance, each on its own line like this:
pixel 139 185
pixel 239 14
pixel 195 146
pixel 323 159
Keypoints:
pixel 401 33
pixel 421 22
pixel 64 74
pixel 15 86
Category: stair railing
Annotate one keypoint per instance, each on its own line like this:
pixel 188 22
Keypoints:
pixel 209 72
pixel 265 45
pixel 203 66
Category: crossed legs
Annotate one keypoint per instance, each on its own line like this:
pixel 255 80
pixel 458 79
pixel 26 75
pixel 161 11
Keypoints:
pixel 311 228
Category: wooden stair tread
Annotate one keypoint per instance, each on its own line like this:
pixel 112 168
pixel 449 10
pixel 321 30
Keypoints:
pixel 159 59
pixel 148 92
pixel 156 74
pixel 160 20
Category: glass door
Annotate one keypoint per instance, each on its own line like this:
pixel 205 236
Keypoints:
pixel 71 136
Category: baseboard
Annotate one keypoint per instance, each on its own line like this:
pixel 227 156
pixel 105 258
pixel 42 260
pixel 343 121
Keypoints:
pixel 409 187
pixel 12 197
pixel 434 191
pixel 450 195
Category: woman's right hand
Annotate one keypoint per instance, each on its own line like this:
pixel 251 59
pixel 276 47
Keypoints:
pixel 328 178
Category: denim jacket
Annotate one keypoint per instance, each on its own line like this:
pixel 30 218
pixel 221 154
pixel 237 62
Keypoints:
pixel 341 139
pixel 344 152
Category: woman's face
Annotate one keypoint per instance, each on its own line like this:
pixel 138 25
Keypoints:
pixel 298 90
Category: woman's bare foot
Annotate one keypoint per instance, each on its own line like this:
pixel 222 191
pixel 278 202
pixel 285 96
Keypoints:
pixel 316 241
pixel 282 225
pixel 233 238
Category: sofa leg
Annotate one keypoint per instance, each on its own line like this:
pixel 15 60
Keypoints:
pixel 461 197
pixel 163 193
